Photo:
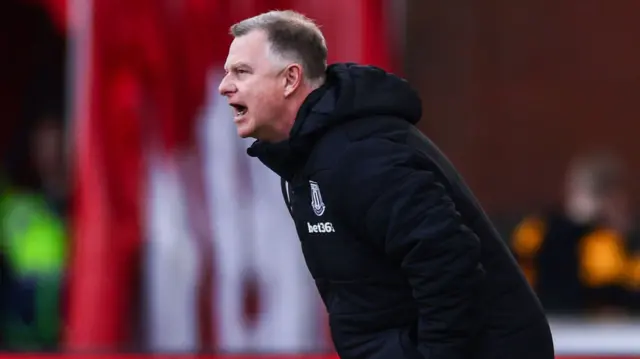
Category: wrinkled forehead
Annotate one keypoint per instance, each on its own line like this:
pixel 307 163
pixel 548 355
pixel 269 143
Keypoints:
pixel 251 50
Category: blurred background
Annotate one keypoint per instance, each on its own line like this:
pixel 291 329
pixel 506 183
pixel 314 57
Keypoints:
pixel 132 219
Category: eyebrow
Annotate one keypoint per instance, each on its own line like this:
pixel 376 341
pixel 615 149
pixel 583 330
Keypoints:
pixel 236 65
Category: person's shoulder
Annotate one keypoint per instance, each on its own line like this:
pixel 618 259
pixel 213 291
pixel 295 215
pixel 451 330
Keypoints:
pixel 367 136
pixel 369 147
pixel 377 127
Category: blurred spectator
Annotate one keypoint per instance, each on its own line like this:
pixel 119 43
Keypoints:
pixel 33 239
pixel 576 257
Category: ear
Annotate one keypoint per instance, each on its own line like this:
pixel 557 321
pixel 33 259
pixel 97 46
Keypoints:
pixel 293 79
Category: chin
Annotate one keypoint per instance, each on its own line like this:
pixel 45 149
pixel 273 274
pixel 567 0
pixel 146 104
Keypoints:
pixel 245 131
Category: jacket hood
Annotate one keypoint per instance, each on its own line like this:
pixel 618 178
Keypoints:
pixel 350 92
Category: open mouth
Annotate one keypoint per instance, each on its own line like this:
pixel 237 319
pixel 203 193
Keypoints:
pixel 239 110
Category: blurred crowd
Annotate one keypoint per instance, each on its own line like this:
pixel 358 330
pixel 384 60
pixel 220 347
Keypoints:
pixel 582 256
pixel 34 196
pixel 34 242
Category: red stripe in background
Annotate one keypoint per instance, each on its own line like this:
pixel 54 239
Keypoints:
pixel 197 26
pixel 375 34
pixel 159 356
pixel 107 216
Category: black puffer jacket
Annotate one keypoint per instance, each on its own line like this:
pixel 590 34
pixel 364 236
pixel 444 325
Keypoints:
pixel 406 261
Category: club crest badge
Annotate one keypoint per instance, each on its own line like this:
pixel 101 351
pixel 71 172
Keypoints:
pixel 316 199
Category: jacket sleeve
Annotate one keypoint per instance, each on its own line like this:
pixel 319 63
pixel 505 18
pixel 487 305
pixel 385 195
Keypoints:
pixel 388 193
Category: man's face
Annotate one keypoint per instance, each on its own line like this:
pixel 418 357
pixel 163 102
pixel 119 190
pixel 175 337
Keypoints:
pixel 253 86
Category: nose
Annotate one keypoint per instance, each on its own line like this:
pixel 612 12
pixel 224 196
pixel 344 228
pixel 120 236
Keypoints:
pixel 226 87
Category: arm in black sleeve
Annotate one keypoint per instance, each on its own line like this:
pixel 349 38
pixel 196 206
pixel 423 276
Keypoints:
pixel 391 196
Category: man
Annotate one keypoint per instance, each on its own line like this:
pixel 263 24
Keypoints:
pixel 405 260
pixel 33 238
pixel 577 256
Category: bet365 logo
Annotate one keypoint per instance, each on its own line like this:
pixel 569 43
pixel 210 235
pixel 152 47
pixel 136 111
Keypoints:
pixel 326 227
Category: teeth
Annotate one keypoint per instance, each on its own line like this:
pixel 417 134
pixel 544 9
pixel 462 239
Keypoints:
pixel 239 110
